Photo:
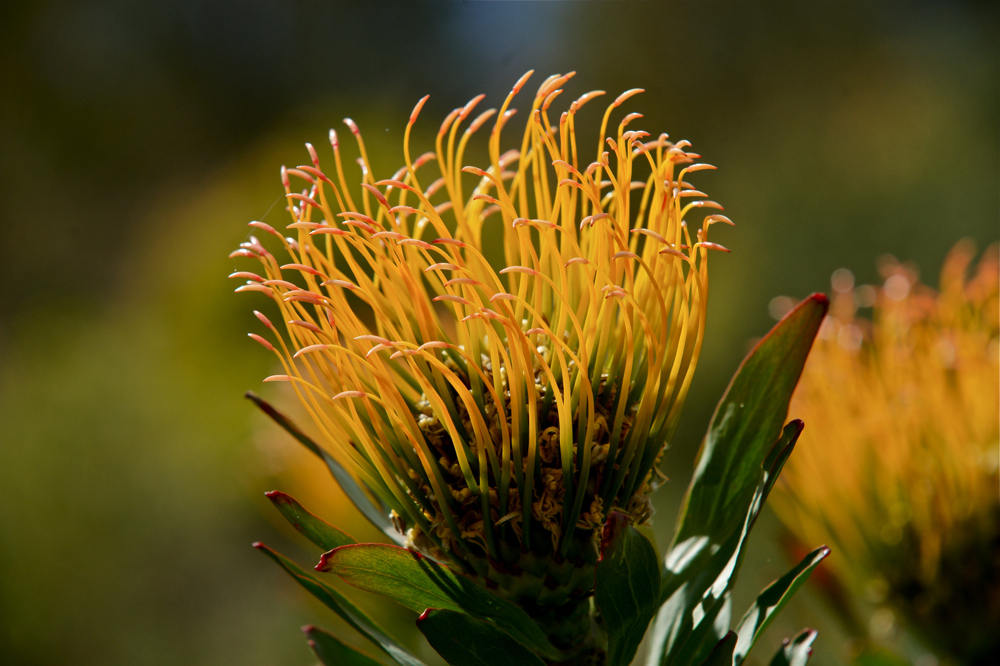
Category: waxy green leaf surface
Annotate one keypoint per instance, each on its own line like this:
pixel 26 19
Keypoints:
pixel 627 587
pixel 740 459
pixel 465 641
pixel 769 602
pixel 418 583
pixel 332 651
pixel 317 530
pixel 339 604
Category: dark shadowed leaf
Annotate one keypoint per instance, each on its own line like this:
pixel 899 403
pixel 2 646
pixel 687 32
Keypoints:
pixel 418 583
pixel 317 530
pixel 722 653
pixel 378 517
pixel 339 604
pixel 465 641
pixel 334 652
pixel 795 652
pixel 769 602
pixel 627 586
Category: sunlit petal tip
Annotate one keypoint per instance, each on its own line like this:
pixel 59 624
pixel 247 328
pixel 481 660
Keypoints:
pixel 625 95
pixel 441 267
pixel 278 378
pixel 263 319
pixel 310 349
pixel 417 108
pixel 304 324
pixel 349 394
pixel 245 275
pixel 521 81
pixel 253 287
pixel 453 299
pixel 502 296
pixel 673 252
pixel 719 218
pixel 262 341
pixel 434 344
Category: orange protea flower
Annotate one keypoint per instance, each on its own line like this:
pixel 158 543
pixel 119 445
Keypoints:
pixel 498 397
pixel 899 462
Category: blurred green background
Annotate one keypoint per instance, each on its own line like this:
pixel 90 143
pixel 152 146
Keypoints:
pixel 137 139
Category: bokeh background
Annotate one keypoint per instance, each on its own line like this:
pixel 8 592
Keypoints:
pixel 137 139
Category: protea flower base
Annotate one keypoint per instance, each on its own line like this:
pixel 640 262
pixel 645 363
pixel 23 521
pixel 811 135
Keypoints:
pixel 500 410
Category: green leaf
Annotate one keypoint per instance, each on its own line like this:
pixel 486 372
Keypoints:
pixel 334 652
pixel 627 586
pixel 378 517
pixel 700 575
pixel 769 602
pixel 746 423
pixel 465 641
pixel 722 653
pixel 418 583
pixel 317 530
pixel 795 652
pixel 339 604
pixel 737 465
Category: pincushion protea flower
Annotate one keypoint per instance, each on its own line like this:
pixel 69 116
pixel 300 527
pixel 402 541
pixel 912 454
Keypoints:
pixel 497 411
pixel 900 468
pixel 506 402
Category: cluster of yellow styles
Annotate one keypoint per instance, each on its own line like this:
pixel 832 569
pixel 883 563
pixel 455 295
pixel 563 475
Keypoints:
pixel 898 462
pixel 500 354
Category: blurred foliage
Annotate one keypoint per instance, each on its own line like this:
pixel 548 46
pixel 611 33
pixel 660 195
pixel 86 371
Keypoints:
pixel 139 138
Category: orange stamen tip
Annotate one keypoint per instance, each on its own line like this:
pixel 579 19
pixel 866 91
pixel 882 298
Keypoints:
pixel 453 299
pixel 714 246
pixel 349 394
pixel 262 341
pixel 278 378
pixel 673 252
pixel 519 269
pixel 625 95
pixel 244 275
pixel 521 81
pixel 353 126
pixel 301 267
pixel 441 267
pixel 264 320
pixel 719 218
pixel 310 349
pixel 373 338
pixel 417 108
pixel 339 283
pixel 434 344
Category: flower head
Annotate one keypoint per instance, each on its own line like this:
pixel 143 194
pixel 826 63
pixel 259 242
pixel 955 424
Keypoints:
pixel 898 463
pixel 499 353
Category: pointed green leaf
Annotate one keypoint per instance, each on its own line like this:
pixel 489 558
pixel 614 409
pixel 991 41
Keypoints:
pixel 795 652
pixel 769 602
pixel 379 518
pixel 334 652
pixel 418 583
pixel 700 574
pixel 317 530
pixel 746 423
pixel 722 653
pixel 627 586
pixel 339 604
pixel 465 641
